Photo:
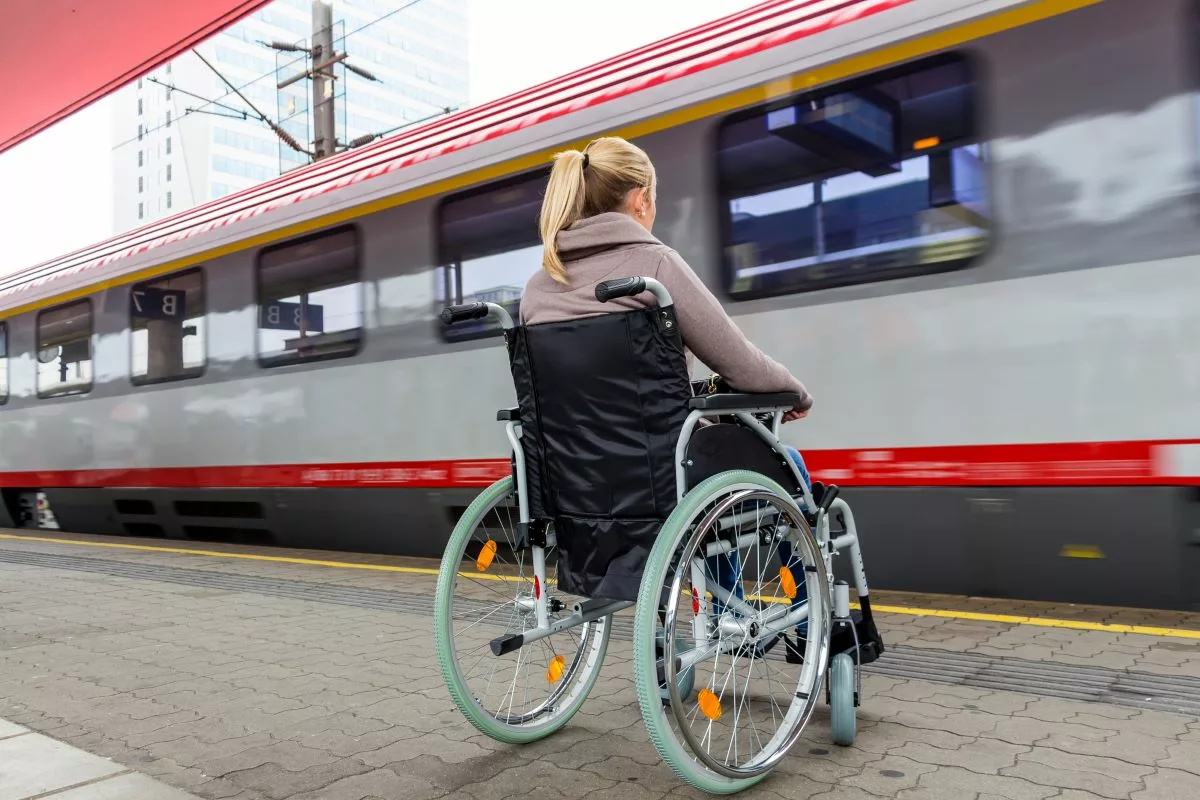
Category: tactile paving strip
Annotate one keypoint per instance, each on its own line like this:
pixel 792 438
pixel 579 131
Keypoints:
pixel 1044 678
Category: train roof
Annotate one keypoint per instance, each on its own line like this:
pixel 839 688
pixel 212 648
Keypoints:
pixel 337 185
pixel 766 25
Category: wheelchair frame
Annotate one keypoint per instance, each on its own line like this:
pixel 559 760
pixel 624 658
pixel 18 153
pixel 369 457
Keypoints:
pixel 814 510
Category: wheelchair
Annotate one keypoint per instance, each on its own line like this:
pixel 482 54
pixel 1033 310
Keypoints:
pixel 629 491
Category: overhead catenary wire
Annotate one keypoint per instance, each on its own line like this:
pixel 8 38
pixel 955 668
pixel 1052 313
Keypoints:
pixel 264 76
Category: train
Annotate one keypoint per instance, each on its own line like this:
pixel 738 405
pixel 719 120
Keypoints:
pixel 969 226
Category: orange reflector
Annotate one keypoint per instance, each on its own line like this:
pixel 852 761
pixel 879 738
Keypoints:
pixel 558 665
pixel 486 555
pixel 789 582
pixel 925 144
pixel 710 705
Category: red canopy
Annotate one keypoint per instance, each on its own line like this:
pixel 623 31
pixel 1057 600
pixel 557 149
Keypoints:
pixel 62 55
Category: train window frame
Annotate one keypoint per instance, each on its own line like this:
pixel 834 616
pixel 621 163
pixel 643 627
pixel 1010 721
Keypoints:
pixel 840 273
pixel 450 258
pixel 187 373
pixel 283 359
pixel 91 340
pixel 4 363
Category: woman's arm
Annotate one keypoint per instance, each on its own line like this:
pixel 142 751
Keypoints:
pixel 714 338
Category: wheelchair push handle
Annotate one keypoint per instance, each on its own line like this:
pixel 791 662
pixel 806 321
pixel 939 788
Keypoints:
pixel 454 314
pixel 628 287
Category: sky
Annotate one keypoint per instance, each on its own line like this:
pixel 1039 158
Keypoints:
pixel 58 186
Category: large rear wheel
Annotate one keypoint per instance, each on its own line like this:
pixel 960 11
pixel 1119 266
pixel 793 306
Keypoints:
pixel 487 588
pixel 735 580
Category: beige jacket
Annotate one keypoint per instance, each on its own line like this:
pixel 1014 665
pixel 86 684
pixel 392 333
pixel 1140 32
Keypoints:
pixel 614 245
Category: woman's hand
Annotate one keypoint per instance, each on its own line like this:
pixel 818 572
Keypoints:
pixel 801 411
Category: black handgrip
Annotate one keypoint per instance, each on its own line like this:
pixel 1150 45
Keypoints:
pixel 621 287
pixel 453 314
pixel 827 497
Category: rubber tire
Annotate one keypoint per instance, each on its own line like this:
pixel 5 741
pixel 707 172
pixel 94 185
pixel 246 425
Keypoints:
pixel 645 622
pixel 460 692
pixel 841 700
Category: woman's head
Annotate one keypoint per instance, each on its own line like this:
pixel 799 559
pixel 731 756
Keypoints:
pixel 610 174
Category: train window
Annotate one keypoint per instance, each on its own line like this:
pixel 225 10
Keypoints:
pixel 488 247
pixel 310 303
pixel 64 349
pixel 879 178
pixel 3 362
pixel 166 318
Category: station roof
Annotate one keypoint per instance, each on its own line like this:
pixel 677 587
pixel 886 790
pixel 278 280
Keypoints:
pixel 62 55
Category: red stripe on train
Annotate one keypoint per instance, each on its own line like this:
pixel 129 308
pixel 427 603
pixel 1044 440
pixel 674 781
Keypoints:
pixel 1072 464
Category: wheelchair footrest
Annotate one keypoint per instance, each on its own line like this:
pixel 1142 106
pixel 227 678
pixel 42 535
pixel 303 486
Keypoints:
pixel 870 643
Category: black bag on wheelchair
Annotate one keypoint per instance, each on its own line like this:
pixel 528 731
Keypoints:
pixel 602 403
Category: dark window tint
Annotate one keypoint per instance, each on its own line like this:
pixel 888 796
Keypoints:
pixel 64 349
pixel 488 246
pixel 879 178
pixel 167 324
pixel 310 299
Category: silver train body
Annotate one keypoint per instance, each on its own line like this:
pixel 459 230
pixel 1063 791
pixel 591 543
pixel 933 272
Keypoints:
pixel 1076 326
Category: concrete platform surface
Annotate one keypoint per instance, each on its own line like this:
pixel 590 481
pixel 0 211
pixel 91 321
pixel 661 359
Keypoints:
pixel 228 676
pixel 34 766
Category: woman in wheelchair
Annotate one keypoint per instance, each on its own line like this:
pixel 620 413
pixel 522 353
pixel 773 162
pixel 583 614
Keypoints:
pixel 596 224
pixel 647 494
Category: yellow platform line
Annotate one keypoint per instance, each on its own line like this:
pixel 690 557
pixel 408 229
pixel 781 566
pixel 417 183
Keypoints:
pixel 1007 619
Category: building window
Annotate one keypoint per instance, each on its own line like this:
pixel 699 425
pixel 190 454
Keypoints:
pixel 168 145
pixel 141 158
pixel 139 106
pixel 141 210
pixel 139 83
pixel 488 247
pixel 3 362
pixel 310 299
pixel 141 184
pixel 168 199
pixel 168 173
pixel 882 177
pixel 141 130
pixel 64 350
pixel 168 117
pixel 167 322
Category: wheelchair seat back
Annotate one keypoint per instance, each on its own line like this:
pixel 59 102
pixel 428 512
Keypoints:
pixel 602 403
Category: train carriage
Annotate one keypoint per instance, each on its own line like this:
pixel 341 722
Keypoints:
pixel 970 226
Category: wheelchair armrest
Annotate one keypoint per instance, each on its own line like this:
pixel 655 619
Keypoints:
pixel 744 402
pixel 508 415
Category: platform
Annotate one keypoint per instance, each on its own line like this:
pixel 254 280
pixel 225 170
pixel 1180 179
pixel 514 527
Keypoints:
pixel 241 672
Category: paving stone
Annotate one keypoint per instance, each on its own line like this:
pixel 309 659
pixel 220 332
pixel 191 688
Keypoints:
pixel 955 783
pixel 1107 777
pixel 980 755
pixel 275 781
pixel 8 729
pixel 24 760
pixel 383 783
pixel 125 787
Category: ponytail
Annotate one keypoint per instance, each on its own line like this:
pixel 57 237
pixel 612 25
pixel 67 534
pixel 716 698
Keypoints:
pixel 585 183
pixel 561 208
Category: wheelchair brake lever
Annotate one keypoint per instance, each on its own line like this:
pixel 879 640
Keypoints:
pixel 829 494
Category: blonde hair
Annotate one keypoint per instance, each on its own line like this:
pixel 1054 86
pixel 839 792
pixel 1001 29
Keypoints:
pixel 586 183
